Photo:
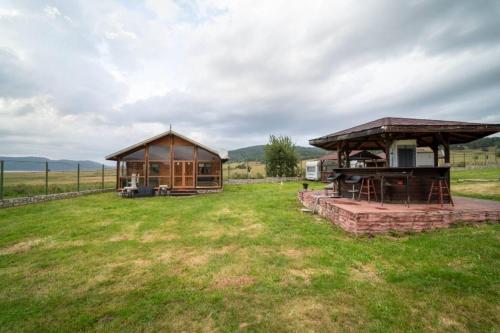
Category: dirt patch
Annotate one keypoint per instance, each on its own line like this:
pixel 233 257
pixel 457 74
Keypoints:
pixel 21 246
pixel 224 250
pixel 197 260
pixel 234 281
pixel 452 324
pixel 297 253
pixel 305 275
pixel 307 315
pixel 156 237
pixel 367 272
pixel 119 238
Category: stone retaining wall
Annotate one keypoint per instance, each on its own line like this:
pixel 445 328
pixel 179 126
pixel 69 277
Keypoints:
pixel 380 222
pixel 43 198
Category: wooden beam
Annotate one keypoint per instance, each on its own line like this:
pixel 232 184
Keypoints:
pixel 146 165
pixel 117 173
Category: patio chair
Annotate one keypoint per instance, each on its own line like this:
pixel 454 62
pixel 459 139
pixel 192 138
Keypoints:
pixel 132 188
pixel 353 180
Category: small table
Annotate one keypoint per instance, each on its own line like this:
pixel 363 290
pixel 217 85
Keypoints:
pixel 404 175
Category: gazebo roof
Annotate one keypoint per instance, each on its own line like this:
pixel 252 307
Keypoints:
pixel 354 155
pixel 368 135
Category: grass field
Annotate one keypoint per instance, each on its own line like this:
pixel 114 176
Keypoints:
pixel 21 184
pixel 242 260
pixel 483 183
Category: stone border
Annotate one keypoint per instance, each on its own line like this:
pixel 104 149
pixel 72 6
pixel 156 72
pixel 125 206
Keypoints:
pixel 380 222
pixel 14 202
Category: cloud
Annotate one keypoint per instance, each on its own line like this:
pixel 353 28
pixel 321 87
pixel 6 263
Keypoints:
pixel 81 79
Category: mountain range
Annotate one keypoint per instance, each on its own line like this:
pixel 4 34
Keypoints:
pixel 256 153
pixel 33 163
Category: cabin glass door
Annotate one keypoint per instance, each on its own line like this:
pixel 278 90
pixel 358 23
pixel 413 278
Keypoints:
pixel 183 174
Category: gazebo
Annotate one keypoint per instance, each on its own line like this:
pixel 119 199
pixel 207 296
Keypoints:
pixel 357 158
pixel 399 139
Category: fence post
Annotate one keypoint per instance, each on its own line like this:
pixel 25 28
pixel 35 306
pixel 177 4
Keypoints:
pixel 228 172
pixel 78 177
pixel 464 160
pixel 248 172
pixel 102 180
pixel 1 180
pixel 46 177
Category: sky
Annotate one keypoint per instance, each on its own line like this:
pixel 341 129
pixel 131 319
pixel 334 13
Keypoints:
pixel 83 79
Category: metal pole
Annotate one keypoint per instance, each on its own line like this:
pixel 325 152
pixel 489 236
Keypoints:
pixel 78 177
pixel 1 180
pixel 464 160
pixel 102 180
pixel 46 177
pixel 228 171
pixel 248 174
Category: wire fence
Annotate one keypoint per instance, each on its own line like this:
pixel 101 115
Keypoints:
pixel 475 158
pixel 20 178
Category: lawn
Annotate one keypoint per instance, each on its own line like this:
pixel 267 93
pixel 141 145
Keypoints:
pixel 482 183
pixel 243 260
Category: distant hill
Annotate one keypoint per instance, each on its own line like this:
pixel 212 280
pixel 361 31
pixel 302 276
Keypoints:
pixel 256 153
pixel 477 144
pixel 31 163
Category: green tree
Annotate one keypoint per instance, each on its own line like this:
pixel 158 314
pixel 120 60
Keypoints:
pixel 280 157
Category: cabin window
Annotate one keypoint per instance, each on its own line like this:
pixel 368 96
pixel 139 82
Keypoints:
pixel 159 174
pixel 205 155
pixel 159 152
pixel 208 174
pixel 137 155
pixel 311 169
pixel 128 168
pixel 183 153
pixel 159 165
pixel 406 156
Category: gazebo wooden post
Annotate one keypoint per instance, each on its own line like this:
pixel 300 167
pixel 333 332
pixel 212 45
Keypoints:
pixel 387 150
pixel 117 173
pixel 347 159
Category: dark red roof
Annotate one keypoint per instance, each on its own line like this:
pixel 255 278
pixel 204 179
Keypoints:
pixel 389 121
pixel 363 154
pixel 369 135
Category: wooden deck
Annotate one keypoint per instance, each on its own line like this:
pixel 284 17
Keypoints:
pixel 361 217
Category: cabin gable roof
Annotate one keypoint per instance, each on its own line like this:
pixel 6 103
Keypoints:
pixel 138 145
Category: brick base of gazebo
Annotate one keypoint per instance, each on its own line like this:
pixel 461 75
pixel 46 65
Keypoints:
pixel 361 217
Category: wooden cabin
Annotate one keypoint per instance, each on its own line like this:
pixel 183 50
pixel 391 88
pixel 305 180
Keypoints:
pixel 410 171
pixel 170 160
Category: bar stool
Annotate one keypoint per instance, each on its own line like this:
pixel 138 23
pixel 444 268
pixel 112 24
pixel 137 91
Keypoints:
pixel 442 190
pixel 353 180
pixel 333 186
pixel 367 187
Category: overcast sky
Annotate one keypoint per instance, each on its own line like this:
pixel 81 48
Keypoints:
pixel 82 79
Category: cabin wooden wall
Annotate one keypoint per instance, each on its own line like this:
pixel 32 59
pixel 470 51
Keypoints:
pixel 144 166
